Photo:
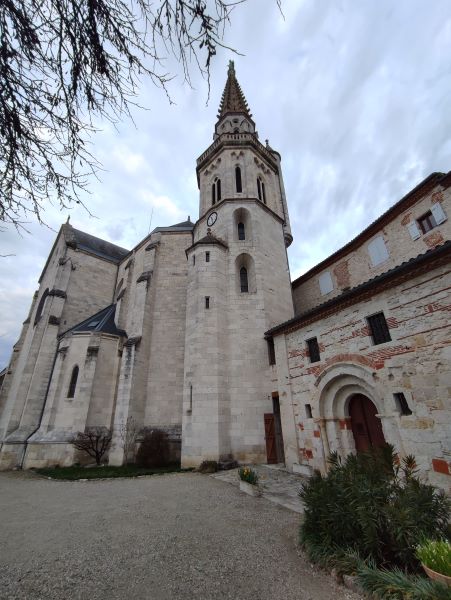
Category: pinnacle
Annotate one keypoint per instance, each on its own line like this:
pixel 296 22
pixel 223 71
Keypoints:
pixel 233 99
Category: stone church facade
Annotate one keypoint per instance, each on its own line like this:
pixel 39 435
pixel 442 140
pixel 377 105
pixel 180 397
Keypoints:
pixel 199 331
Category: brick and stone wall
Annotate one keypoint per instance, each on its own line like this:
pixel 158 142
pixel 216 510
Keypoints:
pixel 416 362
pixel 355 266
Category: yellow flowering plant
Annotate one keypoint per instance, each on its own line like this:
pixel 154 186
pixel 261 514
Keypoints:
pixel 249 475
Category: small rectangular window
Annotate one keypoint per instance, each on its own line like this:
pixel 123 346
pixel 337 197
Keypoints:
pixel 325 283
pixel 308 411
pixel 271 351
pixel 379 328
pixel 207 302
pixel 207 256
pixel 427 222
pixel 313 350
pixel 401 404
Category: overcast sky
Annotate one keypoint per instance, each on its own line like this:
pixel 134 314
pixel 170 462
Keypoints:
pixel 354 94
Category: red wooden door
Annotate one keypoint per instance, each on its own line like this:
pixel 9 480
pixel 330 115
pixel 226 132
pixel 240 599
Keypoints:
pixel 270 435
pixel 366 427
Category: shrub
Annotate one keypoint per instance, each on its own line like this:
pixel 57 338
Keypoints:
pixel 208 466
pixel 154 449
pixel 374 505
pixel 249 475
pixel 436 555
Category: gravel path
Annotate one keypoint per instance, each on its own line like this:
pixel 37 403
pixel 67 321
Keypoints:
pixel 181 536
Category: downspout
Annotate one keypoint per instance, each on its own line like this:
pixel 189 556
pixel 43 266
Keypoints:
pixel 25 447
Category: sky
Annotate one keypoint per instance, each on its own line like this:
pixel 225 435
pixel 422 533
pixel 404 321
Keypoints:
pixel 355 95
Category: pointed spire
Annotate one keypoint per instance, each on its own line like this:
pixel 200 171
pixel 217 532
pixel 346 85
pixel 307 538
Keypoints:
pixel 233 100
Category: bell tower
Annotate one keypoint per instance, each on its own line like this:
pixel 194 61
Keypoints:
pixel 238 288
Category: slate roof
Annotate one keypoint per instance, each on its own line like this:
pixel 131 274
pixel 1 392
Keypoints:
pixel 102 321
pixel 185 226
pixel 207 241
pixel 357 293
pixel 84 241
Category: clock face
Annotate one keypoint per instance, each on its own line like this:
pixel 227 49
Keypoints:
pixel 212 219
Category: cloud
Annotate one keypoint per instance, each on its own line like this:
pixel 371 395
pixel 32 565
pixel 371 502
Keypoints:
pixel 354 95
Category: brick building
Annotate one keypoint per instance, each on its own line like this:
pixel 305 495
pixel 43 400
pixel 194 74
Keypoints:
pixel 198 330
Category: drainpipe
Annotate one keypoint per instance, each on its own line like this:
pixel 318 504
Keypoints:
pixel 25 447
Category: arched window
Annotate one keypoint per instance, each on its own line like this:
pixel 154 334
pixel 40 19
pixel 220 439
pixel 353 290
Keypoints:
pixel 244 286
pixel 41 306
pixel 216 191
pixel 73 382
pixel 261 190
pixel 241 231
pixel 239 187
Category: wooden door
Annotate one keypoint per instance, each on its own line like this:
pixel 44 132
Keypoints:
pixel 366 427
pixel 278 430
pixel 270 435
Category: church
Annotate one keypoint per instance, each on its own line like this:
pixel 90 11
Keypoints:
pixel 199 331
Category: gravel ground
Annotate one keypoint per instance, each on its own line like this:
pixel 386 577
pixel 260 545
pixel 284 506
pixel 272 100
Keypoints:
pixel 182 536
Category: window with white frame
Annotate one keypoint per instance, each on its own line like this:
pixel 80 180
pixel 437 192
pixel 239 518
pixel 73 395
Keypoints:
pixel 326 284
pixel 378 251
pixel 429 220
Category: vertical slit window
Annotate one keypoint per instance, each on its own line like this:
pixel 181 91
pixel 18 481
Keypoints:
pixel 218 190
pixel 263 192
pixel 313 350
pixel 207 256
pixel 308 411
pixel 239 187
pixel 244 285
pixel 271 351
pixel 259 188
pixel 241 231
pixel 73 383
pixel 194 259
pixel 379 328
pixel 207 302
pixel 213 193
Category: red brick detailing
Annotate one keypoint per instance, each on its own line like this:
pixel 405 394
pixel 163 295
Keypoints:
pixel 441 466
pixel 392 322
pixel 326 333
pixel 314 371
pixel 435 307
pixel 434 239
pixel 345 423
pixel 305 454
pixel 406 218
pixel 436 197
pixel 341 272
pixel 380 356
pixel 316 433
pixel 301 426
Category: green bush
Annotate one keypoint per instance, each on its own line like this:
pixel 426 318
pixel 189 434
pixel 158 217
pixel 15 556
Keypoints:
pixel 154 450
pixel 374 505
pixel 436 555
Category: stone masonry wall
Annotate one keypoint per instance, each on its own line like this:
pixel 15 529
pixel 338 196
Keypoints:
pixel 416 362
pixel 356 267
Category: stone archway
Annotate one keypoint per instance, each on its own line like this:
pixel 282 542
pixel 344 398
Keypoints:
pixel 336 387
pixel 365 425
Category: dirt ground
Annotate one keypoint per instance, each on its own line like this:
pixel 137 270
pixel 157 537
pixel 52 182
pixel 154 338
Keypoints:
pixel 181 536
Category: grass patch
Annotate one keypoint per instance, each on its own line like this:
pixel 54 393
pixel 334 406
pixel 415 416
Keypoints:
pixel 74 473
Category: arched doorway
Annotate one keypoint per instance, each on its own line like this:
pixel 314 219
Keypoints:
pixel 366 427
